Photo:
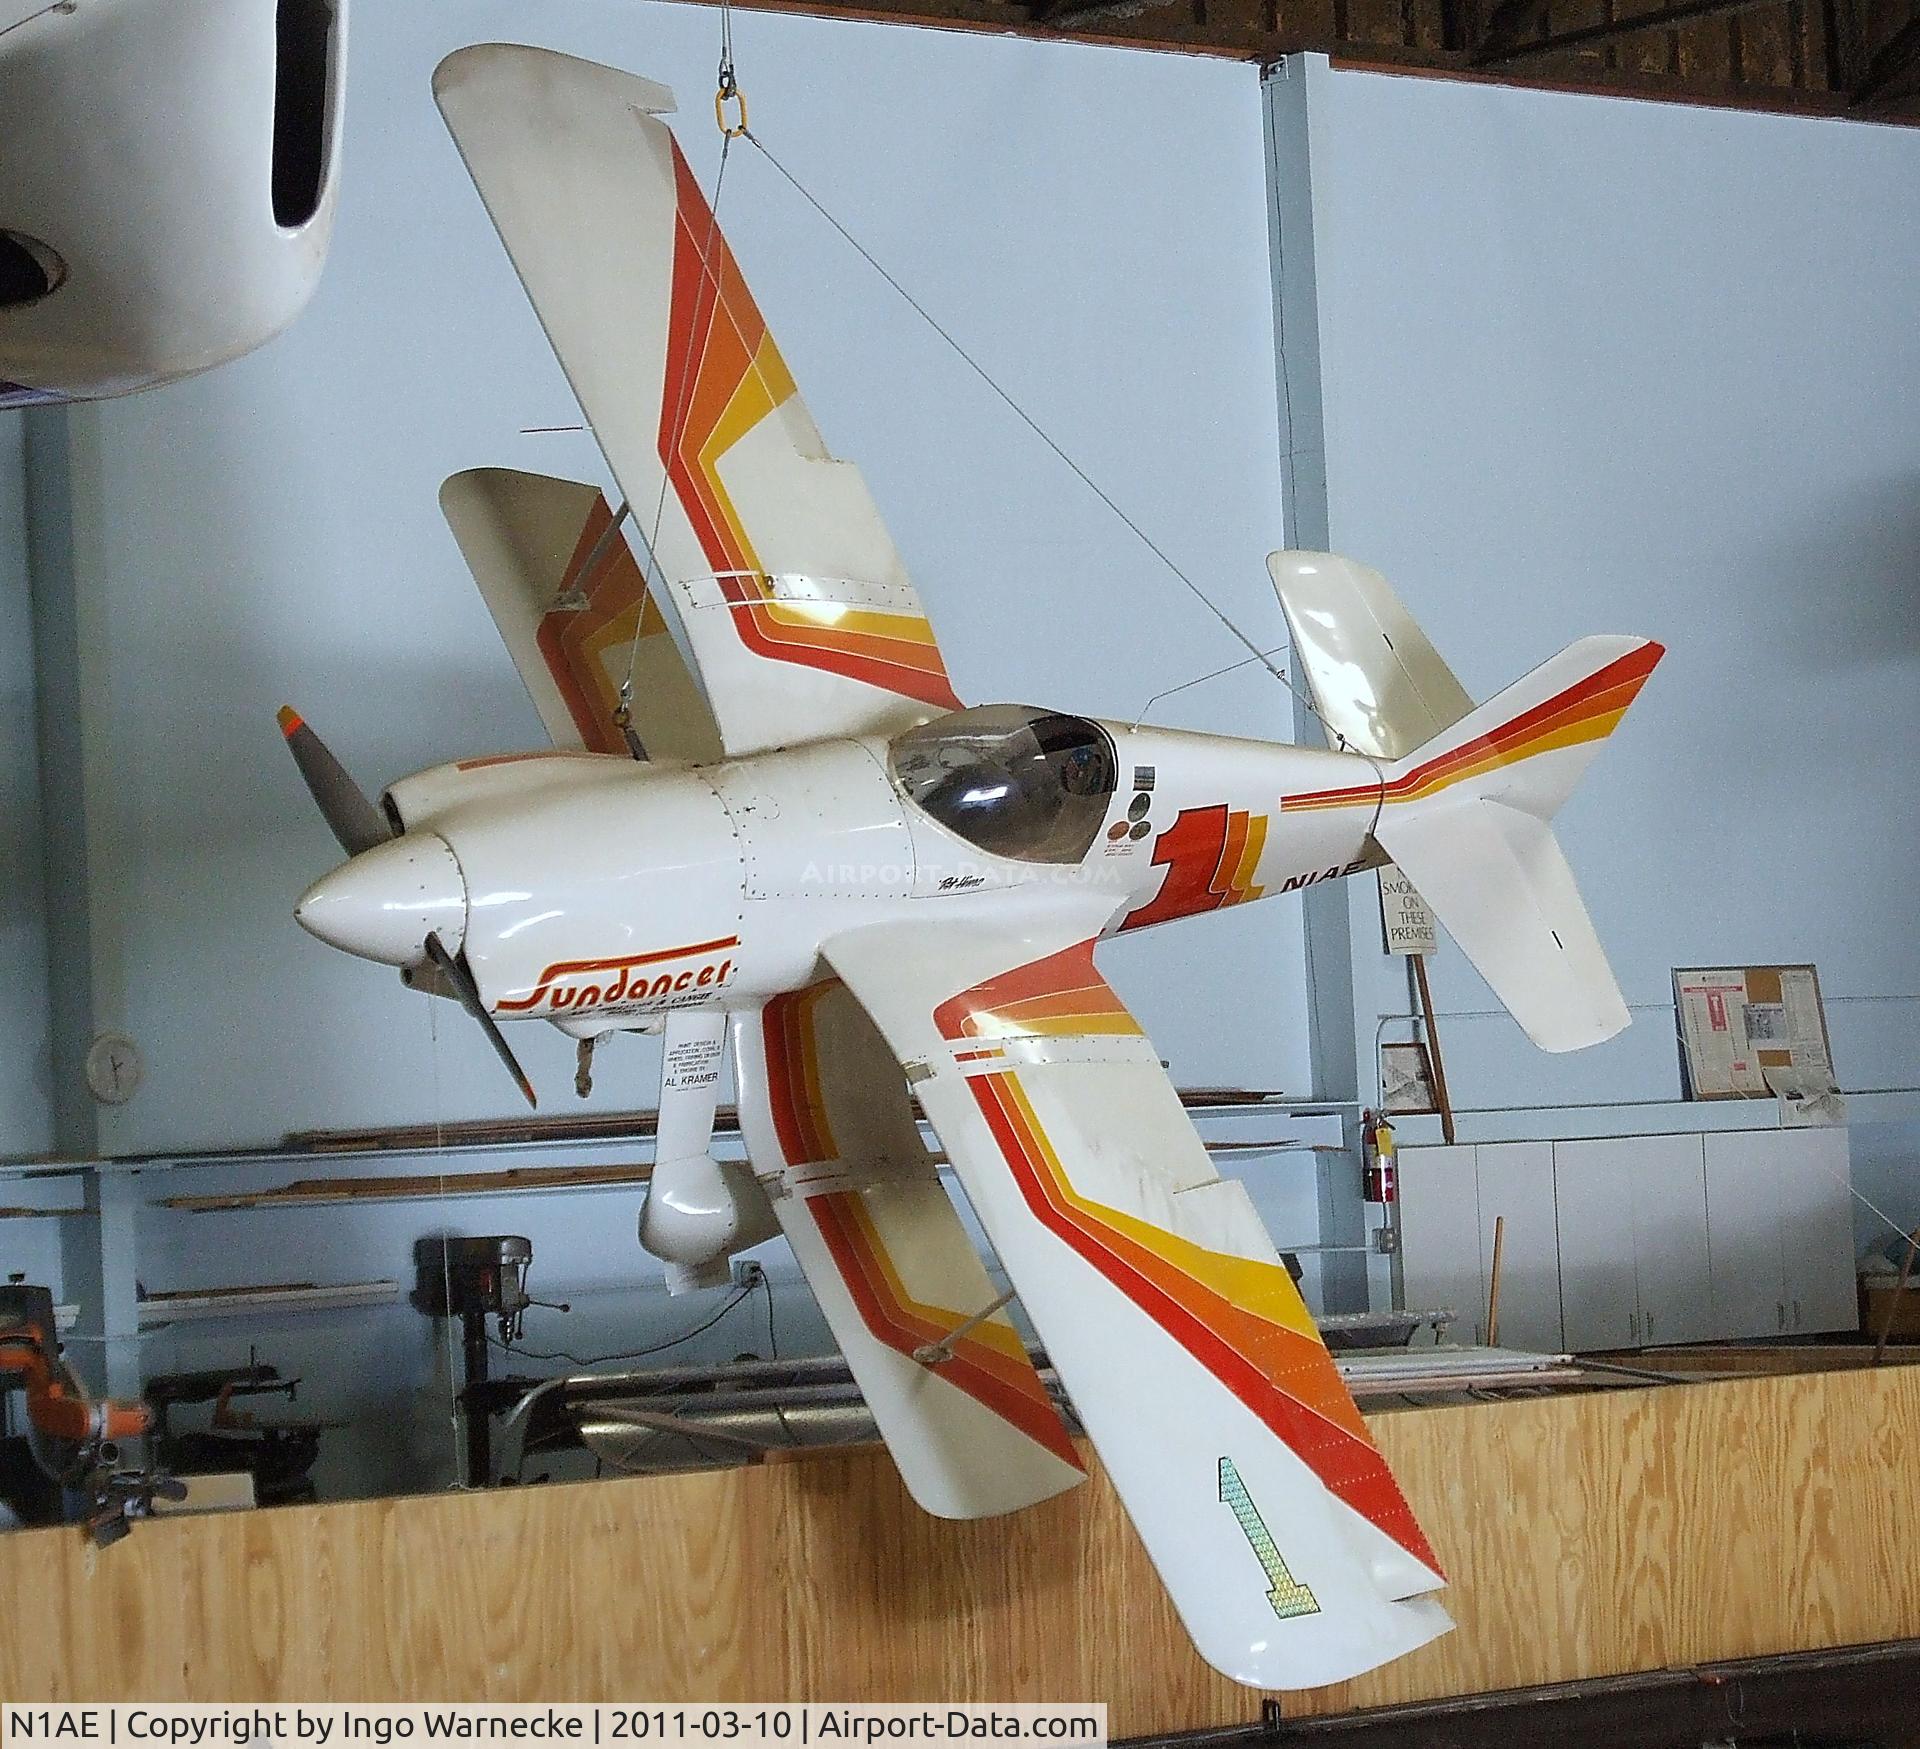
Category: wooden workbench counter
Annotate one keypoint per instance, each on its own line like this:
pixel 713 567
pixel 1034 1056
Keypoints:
pixel 1586 1535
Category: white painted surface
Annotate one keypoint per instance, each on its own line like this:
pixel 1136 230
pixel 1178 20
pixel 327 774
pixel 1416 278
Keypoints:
pixel 1673 1280
pixel 1516 1184
pixel 1441 1262
pixel 1816 1232
pixel 1781 1232
pixel 270 532
pixel 1593 1190
pixel 1748 1268
pixel 142 152
pixel 1560 402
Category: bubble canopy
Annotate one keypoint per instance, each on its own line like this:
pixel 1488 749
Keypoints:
pixel 1010 779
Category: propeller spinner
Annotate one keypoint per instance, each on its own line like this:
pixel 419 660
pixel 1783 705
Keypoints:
pixel 399 899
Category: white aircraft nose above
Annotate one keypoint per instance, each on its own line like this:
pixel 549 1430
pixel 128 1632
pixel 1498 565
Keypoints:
pixel 384 902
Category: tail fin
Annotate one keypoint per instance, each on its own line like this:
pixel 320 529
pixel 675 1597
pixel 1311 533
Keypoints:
pixel 1377 682
pixel 1466 817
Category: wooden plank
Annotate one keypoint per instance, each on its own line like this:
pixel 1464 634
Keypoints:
pixel 1586 1536
pixel 275 1299
pixel 1703 53
pixel 1720 1360
pixel 315 1192
pixel 1766 40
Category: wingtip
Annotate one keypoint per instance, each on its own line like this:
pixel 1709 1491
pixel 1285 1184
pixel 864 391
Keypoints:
pixel 452 68
pixel 289 721
pixel 506 63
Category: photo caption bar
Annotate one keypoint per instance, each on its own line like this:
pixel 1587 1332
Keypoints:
pixel 748 1726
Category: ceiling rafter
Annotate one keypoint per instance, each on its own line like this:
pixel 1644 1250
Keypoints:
pixel 1612 30
pixel 1857 58
pixel 1890 67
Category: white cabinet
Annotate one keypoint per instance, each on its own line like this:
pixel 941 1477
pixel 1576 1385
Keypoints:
pixel 1450 1200
pixel 1747 1266
pixel 1516 1185
pixel 1671 1260
pixel 1780 1232
pixel 1599 1293
pixel 1816 1228
pixel 1632 1241
pixel 1440 1236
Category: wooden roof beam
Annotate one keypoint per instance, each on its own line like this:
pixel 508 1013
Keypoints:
pixel 1890 66
pixel 1503 52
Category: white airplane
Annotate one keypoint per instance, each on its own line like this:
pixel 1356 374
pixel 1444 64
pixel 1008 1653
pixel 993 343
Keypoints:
pixel 167 186
pixel 879 894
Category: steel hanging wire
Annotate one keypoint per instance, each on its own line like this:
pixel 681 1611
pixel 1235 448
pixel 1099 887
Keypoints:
pixel 1255 654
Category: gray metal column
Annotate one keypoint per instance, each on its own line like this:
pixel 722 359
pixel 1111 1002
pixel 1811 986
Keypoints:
pixel 1293 90
pixel 58 667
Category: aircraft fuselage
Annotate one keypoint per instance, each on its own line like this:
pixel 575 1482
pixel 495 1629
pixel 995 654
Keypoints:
pixel 601 893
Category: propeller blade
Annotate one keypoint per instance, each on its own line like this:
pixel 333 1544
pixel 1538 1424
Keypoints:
pixel 456 971
pixel 356 822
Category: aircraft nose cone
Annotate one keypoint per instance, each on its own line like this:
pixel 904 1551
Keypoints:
pixel 383 903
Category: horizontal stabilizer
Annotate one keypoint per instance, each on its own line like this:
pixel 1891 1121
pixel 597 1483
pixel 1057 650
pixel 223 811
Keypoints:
pixel 1466 818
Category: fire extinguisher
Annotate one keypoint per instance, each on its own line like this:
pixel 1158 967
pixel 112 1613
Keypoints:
pixel 1379 1178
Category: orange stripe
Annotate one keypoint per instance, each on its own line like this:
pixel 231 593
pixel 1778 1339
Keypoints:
pixel 1231 847
pixel 1010 1388
pixel 990 1363
pixel 1588 710
pixel 1241 1320
pixel 724 377
pixel 1017 1002
pixel 799 1108
pixel 572 640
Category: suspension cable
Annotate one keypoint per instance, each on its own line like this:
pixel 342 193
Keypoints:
pixel 1255 653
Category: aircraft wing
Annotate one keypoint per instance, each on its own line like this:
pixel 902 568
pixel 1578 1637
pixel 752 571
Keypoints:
pixel 831 1134
pixel 1285 1542
pixel 800 615
pixel 575 614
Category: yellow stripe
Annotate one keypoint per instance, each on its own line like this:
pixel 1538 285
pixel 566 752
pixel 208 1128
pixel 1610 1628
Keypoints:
pixel 1250 858
pixel 996 1333
pixel 1264 1289
pixel 905 628
pixel 1573 735
pixel 1576 734
pixel 745 408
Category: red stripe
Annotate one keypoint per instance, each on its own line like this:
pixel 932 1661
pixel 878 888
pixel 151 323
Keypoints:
pixel 714 333
pixel 1010 1388
pixel 1019 1399
pixel 787 1122
pixel 1626 673
pixel 1350 1467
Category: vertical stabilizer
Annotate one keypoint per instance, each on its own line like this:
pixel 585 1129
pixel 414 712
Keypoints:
pixel 1377 682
